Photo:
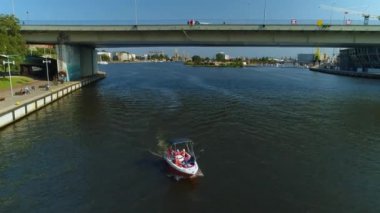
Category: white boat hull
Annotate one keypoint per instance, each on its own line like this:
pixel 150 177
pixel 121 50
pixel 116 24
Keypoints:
pixel 186 171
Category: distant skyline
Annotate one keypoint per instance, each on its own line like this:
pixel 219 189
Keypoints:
pixel 178 11
pixel 277 52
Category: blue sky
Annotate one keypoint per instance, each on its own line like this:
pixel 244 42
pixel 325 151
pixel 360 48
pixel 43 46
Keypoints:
pixel 178 11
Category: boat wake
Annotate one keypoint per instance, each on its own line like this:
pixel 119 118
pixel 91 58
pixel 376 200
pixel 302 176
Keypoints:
pixel 156 154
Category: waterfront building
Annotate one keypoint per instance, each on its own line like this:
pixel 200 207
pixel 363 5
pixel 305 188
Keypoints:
pixel 125 56
pixel 224 56
pixel 108 54
pixel 33 66
pixel 305 58
pixel 352 59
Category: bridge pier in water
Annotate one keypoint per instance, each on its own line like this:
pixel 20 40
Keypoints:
pixel 77 61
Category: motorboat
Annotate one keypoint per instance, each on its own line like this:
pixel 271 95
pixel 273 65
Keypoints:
pixel 102 62
pixel 181 158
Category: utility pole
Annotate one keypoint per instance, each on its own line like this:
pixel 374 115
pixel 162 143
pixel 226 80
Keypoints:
pixel 344 18
pixel 136 12
pixel 46 61
pixel 9 71
pixel 265 11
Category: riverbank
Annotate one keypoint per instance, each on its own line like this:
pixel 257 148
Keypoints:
pixel 346 73
pixel 13 108
pixel 216 64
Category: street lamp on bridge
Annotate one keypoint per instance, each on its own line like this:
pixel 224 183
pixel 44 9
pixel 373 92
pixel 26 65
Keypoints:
pixel 9 72
pixel 265 11
pixel 27 17
pixel 136 12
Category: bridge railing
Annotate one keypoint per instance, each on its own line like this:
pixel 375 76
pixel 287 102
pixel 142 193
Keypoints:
pixel 200 21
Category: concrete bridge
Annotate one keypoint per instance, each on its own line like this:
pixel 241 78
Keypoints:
pixel 76 44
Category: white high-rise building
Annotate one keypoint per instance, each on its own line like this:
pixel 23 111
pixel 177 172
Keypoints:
pixel 125 56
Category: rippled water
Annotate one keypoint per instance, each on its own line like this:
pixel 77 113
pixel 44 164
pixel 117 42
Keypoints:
pixel 268 140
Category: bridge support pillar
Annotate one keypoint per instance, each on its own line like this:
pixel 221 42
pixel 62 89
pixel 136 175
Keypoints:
pixel 76 61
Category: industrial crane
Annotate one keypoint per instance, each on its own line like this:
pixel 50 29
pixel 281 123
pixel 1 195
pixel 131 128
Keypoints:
pixel 346 11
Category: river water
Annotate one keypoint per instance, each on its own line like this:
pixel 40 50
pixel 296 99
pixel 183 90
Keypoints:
pixel 267 140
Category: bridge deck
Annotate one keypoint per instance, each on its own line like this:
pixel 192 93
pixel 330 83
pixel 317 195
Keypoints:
pixel 205 35
pixel 222 27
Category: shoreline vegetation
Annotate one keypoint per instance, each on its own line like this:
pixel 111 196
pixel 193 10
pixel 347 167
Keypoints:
pixel 17 81
pixel 216 64
pixel 222 61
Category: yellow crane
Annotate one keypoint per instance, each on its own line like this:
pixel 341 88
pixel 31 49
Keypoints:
pixel 346 11
pixel 317 54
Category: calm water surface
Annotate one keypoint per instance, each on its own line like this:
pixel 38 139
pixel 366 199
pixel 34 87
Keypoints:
pixel 268 140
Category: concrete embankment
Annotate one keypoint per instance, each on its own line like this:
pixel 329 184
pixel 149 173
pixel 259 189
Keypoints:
pixel 347 73
pixel 20 109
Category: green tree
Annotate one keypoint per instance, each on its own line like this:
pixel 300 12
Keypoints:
pixel 220 57
pixel 11 41
pixel 159 57
pixel 42 51
pixel 105 57
pixel 196 59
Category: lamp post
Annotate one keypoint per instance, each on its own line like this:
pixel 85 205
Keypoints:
pixel 136 12
pixel 9 71
pixel 344 17
pixel 46 61
pixel 265 11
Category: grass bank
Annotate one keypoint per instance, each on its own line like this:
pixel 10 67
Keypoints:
pixel 16 81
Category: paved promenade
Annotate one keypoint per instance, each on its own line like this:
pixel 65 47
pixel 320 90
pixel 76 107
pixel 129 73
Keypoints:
pixel 12 101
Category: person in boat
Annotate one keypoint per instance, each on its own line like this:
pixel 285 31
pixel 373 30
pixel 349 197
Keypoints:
pixel 178 162
pixel 179 159
pixel 185 155
pixel 183 152
pixel 177 152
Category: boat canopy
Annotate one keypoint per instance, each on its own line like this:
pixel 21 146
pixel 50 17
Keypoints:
pixel 181 143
